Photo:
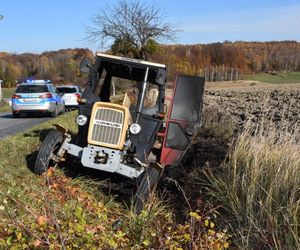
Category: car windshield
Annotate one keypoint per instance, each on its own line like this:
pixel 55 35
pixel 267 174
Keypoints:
pixel 66 89
pixel 32 89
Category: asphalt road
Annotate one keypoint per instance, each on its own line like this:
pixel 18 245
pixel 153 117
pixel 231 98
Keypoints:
pixel 10 125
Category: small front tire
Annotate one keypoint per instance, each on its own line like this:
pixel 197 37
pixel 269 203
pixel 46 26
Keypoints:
pixel 147 185
pixel 50 146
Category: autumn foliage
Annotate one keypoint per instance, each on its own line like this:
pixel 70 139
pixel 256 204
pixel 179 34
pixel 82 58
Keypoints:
pixel 229 60
pixel 58 66
pixel 225 61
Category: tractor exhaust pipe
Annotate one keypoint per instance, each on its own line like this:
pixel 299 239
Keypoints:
pixel 142 96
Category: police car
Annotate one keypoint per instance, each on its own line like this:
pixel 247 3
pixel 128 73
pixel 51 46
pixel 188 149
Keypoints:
pixel 37 96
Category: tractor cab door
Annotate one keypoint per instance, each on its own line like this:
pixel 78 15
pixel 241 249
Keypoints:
pixel 183 117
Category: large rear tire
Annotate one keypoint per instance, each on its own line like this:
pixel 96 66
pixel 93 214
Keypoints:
pixel 147 185
pixel 50 146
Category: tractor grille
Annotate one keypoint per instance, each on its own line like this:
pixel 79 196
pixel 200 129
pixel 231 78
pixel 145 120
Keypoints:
pixel 107 126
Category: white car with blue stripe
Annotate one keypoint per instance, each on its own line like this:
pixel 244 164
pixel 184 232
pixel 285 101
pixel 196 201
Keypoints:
pixel 37 96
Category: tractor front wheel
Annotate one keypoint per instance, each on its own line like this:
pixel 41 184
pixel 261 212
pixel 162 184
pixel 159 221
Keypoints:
pixel 146 186
pixel 49 147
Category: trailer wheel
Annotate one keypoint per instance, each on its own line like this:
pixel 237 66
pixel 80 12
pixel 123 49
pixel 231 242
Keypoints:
pixel 147 185
pixel 50 146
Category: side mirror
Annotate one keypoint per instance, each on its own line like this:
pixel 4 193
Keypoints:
pixel 85 65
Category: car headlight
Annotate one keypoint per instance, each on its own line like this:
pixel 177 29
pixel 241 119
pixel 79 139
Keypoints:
pixel 135 128
pixel 81 120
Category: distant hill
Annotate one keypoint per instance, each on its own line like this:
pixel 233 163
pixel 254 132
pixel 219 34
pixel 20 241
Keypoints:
pixel 216 61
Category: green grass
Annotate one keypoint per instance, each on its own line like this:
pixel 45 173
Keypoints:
pixel 4 107
pixel 8 92
pixel 56 212
pixel 290 77
pixel 17 151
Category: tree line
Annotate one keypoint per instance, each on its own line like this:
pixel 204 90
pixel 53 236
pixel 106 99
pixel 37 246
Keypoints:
pixel 229 60
pixel 217 62
pixel 60 66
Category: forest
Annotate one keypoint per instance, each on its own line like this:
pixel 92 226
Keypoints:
pixel 60 66
pixel 225 61
pixel 230 60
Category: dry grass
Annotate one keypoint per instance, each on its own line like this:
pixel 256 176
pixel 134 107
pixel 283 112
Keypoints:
pixel 258 188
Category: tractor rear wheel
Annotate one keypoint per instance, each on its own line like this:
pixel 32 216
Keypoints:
pixel 147 185
pixel 49 147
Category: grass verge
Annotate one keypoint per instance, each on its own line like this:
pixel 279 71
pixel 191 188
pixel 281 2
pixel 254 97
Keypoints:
pixel 57 212
pixel 8 92
pixel 4 107
pixel 258 189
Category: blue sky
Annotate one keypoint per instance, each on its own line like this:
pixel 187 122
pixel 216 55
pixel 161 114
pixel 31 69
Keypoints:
pixel 40 25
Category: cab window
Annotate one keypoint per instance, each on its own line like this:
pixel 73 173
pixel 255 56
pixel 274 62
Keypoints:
pixel 32 89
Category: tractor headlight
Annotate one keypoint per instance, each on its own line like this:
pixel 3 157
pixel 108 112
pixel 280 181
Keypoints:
pixel 81 120
pixel 135 128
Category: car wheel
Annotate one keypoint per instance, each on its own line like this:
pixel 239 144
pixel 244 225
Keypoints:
pixel 54 112
pixel 15 115
pixel 49 147
pixel 146 186
pixel 63 110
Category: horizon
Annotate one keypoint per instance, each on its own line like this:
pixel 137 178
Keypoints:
pixel 177 44
pixel 36 27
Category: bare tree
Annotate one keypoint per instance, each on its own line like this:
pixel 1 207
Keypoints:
pixel 132 26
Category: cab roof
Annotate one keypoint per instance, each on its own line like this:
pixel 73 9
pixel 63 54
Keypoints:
pixel 132 69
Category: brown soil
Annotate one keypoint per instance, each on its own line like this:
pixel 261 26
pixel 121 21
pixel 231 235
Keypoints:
pixel 244 102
